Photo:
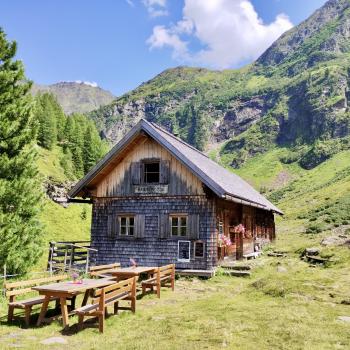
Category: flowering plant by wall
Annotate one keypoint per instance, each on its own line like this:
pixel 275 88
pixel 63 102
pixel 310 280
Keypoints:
pixel 239 229
pixel 224 241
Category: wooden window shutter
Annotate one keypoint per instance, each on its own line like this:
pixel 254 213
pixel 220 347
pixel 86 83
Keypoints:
pixel 164 172
pixel 164 225
pixel 193 226
pixel 112 226
pixel 140 226
pixel 135 173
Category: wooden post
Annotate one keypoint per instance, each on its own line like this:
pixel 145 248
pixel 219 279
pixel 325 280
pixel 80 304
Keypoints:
pixel 51 258
pixel 71 256
pixel 87 262
pixel 65 259
pixel 158 282
pixel 173 277
pixel 133 296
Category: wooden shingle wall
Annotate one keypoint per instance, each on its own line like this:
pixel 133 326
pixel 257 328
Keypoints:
pixel 153 247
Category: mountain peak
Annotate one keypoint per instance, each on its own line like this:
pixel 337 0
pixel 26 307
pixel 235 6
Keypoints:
pixel 77 96
pixel 326 31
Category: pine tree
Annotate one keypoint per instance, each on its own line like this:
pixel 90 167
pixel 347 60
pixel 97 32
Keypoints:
pixel 74 141
pixel 45 114
pixel 20 192
pixel 59 116
pixel 92 147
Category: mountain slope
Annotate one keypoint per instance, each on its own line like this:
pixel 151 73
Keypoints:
pixel 77 97
pixel 296 94
pixel 327 31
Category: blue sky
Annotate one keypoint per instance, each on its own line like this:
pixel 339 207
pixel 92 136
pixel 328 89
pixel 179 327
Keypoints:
pixel 120 43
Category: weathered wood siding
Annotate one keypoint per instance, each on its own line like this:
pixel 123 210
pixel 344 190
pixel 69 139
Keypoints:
pixel 153 247
pixel 259 225
pixel 119 182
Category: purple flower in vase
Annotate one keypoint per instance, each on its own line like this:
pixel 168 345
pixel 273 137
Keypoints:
pixel 75 276
pixel 133 262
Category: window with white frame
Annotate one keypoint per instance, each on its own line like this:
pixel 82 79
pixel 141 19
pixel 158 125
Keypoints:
pixel 127 225
pixel 178 225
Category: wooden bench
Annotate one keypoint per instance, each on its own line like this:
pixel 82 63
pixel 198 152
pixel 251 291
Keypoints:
pixel 162 276
pixel 13 289
pixel 110 295
pixel 102 270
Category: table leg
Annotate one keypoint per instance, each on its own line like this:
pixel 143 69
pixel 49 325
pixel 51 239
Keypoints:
pixel 43 310
pixel 86 297
pixel 64 311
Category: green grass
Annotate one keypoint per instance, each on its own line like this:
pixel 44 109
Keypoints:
pixel 64 224
pixel 60 224
pixel 296 309
pixel 49 164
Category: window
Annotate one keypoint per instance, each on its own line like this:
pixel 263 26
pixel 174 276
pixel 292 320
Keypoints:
pixel 127 225
pixel 178 226
pixel 151 173
pixel 199 249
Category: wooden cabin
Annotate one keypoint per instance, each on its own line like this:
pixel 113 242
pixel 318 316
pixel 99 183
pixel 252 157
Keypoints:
pixel 159 200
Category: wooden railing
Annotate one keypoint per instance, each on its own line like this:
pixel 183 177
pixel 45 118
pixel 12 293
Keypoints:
pixel 65 256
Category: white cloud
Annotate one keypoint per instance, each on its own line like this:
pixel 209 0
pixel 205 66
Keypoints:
pixel 156 8
pixel 89 83
pixel 163 37
pixel 130 3
pixel 229 31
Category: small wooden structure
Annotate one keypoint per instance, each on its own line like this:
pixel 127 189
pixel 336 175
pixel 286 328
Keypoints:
pixel 159 200
pixel 68 255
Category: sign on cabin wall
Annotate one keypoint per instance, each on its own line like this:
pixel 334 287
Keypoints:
pixel 151 189
pixel 183 251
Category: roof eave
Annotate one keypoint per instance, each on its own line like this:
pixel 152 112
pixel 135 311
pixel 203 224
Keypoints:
pixel 104 161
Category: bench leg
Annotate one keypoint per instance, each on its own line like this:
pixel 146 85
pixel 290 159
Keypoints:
pixel 80 321
pixel 101 323
pixel 172 284
pixel 133 304
pixel 27 312
pixel 10 313
pixel 158 290
pixel 116 305
pixel 43 310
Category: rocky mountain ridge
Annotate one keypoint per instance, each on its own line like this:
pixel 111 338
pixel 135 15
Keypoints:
pixel 296 94
pixel 76 97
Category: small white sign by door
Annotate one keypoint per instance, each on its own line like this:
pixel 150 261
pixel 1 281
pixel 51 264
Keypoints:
pixel 184 251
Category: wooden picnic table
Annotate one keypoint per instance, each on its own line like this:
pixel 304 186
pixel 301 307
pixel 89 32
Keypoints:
pixel 128 272
pixel 67 289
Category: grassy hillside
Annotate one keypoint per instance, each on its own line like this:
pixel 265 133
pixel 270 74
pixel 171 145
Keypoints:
pixel 61 224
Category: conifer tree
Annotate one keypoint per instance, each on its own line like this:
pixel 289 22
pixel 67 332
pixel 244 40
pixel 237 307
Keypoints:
pixel 45 114
pixel 92 147
pixel 20 192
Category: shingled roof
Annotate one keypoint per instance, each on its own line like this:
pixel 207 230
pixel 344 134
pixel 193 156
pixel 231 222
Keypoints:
pixel 221 181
